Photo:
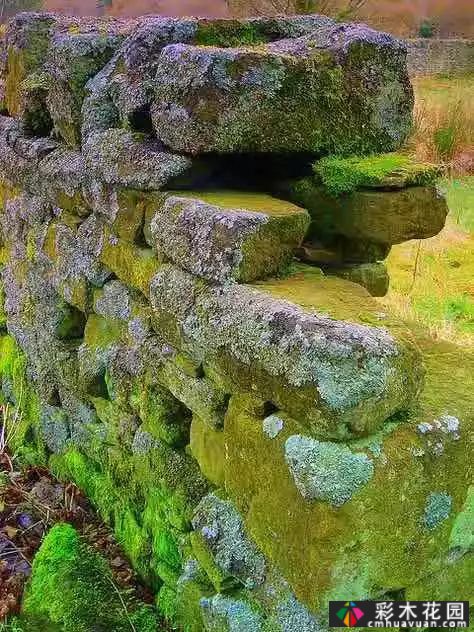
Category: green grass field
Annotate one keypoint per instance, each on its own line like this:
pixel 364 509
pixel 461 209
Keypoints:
pixel 432 281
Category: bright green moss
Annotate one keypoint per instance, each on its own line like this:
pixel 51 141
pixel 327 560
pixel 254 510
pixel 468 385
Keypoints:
pixel 96 485
pixel 23 410
pixel 72 586
pixel 345 175
pixel 167 602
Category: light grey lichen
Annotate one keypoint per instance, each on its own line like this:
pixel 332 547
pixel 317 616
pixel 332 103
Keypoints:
pixel 325 471
pixel 223 532
pixel 350 364
pixel 224 614
pixel 292 616
pixel 437 509
pixel 272 426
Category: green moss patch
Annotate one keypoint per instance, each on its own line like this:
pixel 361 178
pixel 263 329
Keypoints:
pixel 345 175
pixel 229 34
pixel 71 585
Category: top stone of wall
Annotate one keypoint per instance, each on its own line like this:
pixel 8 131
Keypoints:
pixel 280 85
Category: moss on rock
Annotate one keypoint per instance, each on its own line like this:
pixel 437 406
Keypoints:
pixel 383 171
pixel 72 586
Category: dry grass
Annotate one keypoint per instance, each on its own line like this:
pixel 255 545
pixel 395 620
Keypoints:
pixel 443 128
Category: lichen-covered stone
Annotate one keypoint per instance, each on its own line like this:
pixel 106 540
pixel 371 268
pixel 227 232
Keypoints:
pixel 220 532
pixel 117 157
pixel 288 96
pixel 224 614
pixel 27 41
pixel 385 217
pixel 326 471
pixel 304 360
pixel 73 59
pixel 212 238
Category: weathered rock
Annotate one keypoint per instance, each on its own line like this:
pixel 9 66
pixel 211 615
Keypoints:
pixel 373 276
pixel 116 157
pixel 279 334
pixel 228 615
pixel 220 540
pixel 385 217
pixel 27 42
pixel 222 236
pixel 73 59
pixel 381 200
pixel 326 471
pixel 121 94
pixel 290 96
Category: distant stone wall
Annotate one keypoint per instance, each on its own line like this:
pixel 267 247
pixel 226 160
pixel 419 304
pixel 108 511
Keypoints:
pixel 439 56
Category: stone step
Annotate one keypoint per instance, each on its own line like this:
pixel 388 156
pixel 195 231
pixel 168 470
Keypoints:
pixel 225 235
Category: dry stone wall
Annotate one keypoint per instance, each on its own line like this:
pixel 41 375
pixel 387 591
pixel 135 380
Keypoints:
pixel 188 349
pixel 440 56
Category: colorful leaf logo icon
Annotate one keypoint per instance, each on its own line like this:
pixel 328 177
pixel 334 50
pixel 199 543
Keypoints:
pixel 350 614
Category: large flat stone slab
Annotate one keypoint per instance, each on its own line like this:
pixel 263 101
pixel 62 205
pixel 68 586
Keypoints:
pixel 317 347
pixel 308 94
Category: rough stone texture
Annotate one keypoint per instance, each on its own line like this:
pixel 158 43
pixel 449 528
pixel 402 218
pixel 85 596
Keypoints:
pixel 259 449
pixel 326 471
pixel 384 217
pixel 286 97
pixel 355 373
pixel 116 157
pixel 72 61
pixel 221 534
pixel 440 56
pixel 212 240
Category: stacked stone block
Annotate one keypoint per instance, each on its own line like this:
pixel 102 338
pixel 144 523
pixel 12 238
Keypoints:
pixel 260 434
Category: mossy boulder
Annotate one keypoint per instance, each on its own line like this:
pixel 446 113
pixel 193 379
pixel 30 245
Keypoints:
pixel 340 365
pixel 72 586
pixel 73 59
pixel 412 505
pixel 27 41
pixel 383 200
pixel 285 97
pixel 222 236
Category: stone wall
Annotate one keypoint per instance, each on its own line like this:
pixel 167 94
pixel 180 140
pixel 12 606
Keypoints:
pixel 440 56
pixel 262 435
